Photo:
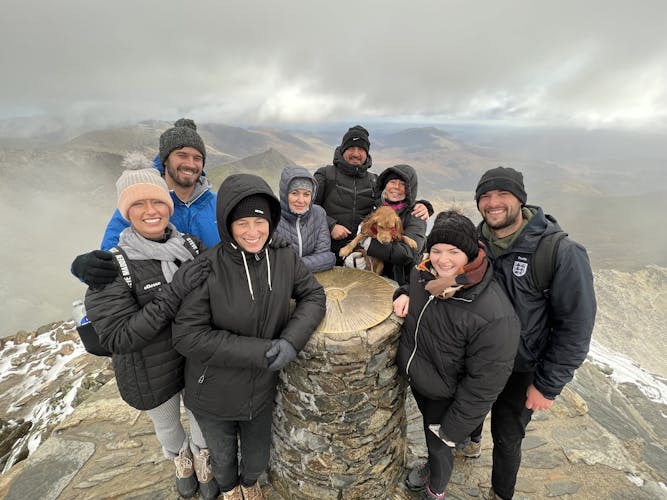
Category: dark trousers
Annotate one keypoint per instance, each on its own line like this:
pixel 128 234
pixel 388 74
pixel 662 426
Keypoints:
pixel 223 437
pixel 440 456
pixel 509 418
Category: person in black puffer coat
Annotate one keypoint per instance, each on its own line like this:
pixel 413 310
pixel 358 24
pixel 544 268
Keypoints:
pixel 238 330
pixel 347 191
pixel 399 191
pixel 134 323
pixel 457 345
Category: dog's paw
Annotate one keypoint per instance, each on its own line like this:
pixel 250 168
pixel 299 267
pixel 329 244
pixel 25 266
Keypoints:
pixel 410 242
pixel 346 250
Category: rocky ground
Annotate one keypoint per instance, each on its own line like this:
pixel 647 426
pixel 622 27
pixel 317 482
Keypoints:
pixel 60 406
pixel 105 449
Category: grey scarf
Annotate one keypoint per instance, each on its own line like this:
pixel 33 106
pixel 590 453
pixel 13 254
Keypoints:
pixel 139 248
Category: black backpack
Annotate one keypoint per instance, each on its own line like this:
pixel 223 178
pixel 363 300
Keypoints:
pixel 87 333
pixel 544 258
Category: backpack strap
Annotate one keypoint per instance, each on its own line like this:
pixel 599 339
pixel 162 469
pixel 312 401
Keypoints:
pixel 121 258
pixel 543 262
pixel 191 245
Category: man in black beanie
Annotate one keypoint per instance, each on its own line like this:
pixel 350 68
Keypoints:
pixel 347 191
pixel 557 318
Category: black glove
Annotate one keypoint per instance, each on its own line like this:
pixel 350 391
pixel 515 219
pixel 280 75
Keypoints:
pixel 96 268
pixel 189 276
pixel 280 354
pixel 278 242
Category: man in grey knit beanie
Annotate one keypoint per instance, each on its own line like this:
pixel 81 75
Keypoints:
pixel 182 134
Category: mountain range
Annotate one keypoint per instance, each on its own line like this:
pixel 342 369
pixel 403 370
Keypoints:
pixel 57 188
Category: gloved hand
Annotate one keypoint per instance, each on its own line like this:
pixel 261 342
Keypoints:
pixel 189 276
pixel 280 354
pixel 278 242
pixel 96 268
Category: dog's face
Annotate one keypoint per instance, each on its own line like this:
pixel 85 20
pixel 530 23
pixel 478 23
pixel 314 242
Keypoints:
pixel 384 225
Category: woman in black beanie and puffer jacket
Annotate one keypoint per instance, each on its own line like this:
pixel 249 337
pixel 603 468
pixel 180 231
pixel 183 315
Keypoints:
pixel 457 346
pixel 238 330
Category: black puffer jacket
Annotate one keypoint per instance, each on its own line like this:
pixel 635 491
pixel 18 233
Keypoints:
pixel 137 330
pixel 225 327
pixel 555 331
pixel 398 257
pixel 348 193
pixel 460 349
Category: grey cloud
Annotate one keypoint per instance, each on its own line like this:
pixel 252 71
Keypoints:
pixel 309 60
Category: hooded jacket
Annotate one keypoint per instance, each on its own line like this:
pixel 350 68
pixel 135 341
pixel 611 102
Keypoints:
pixel 459 349
pixel 348 193
pixel 555 329
pixel 196 217
pixel 225 326
pixel 308 233
pixel 398 257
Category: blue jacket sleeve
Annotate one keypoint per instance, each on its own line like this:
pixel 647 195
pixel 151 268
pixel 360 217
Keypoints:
pixel 113 230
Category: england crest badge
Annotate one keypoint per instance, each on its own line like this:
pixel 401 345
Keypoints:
pixel 520 266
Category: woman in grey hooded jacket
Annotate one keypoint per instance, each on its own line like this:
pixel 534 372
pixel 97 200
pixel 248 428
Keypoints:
pixel 302 223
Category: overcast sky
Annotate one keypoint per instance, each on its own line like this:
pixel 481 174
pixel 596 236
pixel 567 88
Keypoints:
pixel 586 63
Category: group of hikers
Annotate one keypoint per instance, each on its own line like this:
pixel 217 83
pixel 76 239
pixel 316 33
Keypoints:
pixel 206 318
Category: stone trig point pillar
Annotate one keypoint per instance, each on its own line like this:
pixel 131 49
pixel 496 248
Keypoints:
pixel 339 426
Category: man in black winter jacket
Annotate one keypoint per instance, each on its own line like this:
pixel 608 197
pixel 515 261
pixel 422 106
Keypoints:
pixel 556 324
pixel 348 192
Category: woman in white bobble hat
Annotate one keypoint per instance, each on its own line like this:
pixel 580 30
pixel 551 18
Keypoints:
pixel 133 320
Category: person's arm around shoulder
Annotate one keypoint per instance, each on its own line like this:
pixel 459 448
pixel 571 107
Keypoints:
pixel 98 268
pixel 112 232
pixel 573 306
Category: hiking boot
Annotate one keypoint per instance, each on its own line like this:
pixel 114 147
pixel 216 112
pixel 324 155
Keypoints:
pixel 418 477
pixel 492 495
pixel 208 487
pixel 253 492
pixel 469 449
pixel 427 494
pixel 234 494
pixel 186 482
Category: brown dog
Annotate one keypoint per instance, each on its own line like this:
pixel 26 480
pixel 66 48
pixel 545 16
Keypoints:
pixel 385 226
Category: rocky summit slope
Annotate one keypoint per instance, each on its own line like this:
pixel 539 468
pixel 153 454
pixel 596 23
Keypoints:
pixel 599 440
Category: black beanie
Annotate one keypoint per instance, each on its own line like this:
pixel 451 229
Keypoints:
pixel 389 177
pixel 502 179
pixel 355 136
pixel 181 135
pixel 255 205
pixel 455 229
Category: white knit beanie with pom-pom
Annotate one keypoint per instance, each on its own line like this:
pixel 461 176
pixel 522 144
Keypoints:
pixel 140 181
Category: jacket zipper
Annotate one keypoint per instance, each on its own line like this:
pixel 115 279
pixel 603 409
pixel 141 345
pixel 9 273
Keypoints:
pixel 414 351
pixel 200 380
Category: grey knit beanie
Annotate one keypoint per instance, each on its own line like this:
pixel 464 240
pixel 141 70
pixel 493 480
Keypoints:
pixel 140 181
pixel 181 135
pixel 300 183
